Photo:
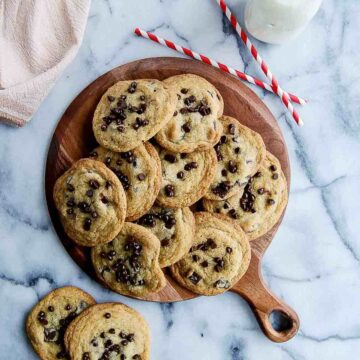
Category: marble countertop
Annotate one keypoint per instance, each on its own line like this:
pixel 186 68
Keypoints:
pixel 314 260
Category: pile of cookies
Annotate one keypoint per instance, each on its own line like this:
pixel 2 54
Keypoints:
pixel 68 324
pixel 173 183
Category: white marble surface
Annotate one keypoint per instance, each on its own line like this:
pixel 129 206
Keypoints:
pixel 314 260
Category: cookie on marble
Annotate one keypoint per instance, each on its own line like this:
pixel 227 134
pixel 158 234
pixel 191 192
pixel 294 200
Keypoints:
pixel 175 228
pixel 109 331
pixel 218 258
pixel 131 112
pixel 48 320
pixel 129 264
pixel 185 177
pixel 259 206
pixel 139 171
pixel 240 152
pixel 91 203
pixel 195 124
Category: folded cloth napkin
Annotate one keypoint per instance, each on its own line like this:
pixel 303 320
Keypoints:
pixel 38 39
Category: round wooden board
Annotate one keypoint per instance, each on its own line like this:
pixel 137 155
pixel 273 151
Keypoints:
pixel 74 139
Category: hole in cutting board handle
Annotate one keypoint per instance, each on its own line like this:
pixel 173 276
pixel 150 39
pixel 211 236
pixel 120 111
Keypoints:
pixel 280 321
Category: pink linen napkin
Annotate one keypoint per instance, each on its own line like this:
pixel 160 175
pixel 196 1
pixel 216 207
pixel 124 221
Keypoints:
pixel 38 39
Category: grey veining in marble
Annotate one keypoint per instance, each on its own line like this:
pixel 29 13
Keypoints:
pixel 314 261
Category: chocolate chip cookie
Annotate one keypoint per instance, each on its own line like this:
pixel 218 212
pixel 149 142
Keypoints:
pixel 139 171
pixel 130 263
pixel 48 320
pixel 109 331
pixel 257 207
pixel 194 124
pixel 239 154
pixel 185 177
pixel 131 112
pixel 91 202
pixel 218 258
pixel 174 228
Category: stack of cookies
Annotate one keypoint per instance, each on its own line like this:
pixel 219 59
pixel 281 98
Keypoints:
pixel 68 324
pixel 173 183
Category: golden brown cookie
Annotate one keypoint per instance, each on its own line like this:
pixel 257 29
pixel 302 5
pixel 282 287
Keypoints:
pixel 175 228
pixel 131 112
pixel 109 331
pixel 139 171
pixel 218 258
pixel 194 125
pixel 240 152
pixel 185 177
pixel 259 206
pixel 129 264
pixel 91 203
pixel 48 320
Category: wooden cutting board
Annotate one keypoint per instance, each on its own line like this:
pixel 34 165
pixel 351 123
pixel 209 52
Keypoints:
pixel 73 139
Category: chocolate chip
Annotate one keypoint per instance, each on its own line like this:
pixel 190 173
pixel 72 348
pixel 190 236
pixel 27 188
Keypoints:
pixel 211 243
pixel 84 207
pixel 183 155
pixel 104 200
pixel 103 127
pixel 222 189
pixel 49 335
pixel 224 172
pixel 204 264
pixel 107 184
pixel 142 97
pixel 107 315
pixel 132 87
pixel 111 98
pixel 248 199
pixel 184 110
pixel 195 258
pixel 169 190
pixel 272 167
pixel 184 91
pixel 86 356
pixel 180 175
pixel 94 183
pixel 189 100
pixel 237 150
pixel 141 177
pixel 229 250
pixel 124 342
pixel 108 343
pixel 232 129
pixel 260 191
pixel 165 242
pixel 136 357
pixel 71 202
pixel 89 193
pixel 191 165
pixel 194 278
pixel 232 167
pixel 87 224
pixel 222 140
pixel 275 176
pixel 258 174
pixel 112 331
pixel 70 187
pixel 175 113
pixel 120 128
pixel 186 127
pixel 204 110
pixel 225 206
pixel 147 220
pixel 51 308
pixel 271 201
pixel 68 307
pixel 170 158
pixel 94 215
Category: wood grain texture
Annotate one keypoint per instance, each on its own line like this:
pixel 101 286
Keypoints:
pixel 73 139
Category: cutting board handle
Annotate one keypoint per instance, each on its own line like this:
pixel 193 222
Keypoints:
pixel 265 304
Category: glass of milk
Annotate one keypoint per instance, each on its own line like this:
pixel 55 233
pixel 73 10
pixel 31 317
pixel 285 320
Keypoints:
pixel 278 21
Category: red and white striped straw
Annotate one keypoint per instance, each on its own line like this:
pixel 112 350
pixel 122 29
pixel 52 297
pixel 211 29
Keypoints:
pixel 208 61
pixel 278 90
